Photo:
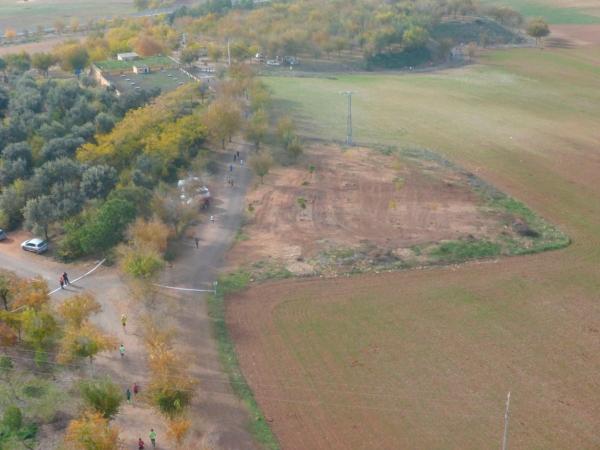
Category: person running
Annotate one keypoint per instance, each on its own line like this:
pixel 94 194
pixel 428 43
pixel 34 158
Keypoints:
pixel 136 389
pixel 124 320
pixel 141 444
pixel 61 280
pixel 152 437
pixel 234 157
pixel 231 167
pixel 122 350
pixel 238 154
pixel 128 395
pixel 196 240
pixel 66 278
pixel 212 219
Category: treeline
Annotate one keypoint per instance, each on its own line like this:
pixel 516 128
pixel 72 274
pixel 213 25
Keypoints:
pixel 317 28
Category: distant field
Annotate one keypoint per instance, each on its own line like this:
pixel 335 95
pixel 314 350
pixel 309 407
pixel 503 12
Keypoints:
pixel 19 14
pixel 424 359
pixel 573 12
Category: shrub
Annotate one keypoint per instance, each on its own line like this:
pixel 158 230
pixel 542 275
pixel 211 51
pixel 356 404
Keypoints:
pixel 102 395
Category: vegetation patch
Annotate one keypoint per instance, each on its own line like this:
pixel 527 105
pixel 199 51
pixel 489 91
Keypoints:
pixel 230 284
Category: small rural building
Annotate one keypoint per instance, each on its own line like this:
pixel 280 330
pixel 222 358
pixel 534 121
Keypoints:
pixel 141 68
pixel 130 56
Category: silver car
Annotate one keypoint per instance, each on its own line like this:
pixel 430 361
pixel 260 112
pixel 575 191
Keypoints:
pixel 35 245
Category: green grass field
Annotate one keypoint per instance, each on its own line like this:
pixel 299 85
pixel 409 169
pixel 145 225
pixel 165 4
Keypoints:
pixel 555 12
pixel 29 14
pixel 424 359
pixel 151 61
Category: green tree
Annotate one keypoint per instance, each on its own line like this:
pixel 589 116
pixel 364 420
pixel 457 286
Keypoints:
pixel 171 401
pixel 257 127
pixel 83 342
pixel 77 309
pixel 102 395
pixel 261 163
pixel 415 37
pixel 39 330
pixel 14 429
pixel 39 213
pixel 73 57
pixel 43 62
pixel 538 29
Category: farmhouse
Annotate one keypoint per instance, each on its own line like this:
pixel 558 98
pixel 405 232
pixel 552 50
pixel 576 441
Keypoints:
pixel 130 56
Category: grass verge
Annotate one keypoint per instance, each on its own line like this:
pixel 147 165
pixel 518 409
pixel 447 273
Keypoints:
pixel 258 426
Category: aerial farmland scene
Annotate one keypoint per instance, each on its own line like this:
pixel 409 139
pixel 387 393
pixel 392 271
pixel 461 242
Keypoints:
pixel 299 224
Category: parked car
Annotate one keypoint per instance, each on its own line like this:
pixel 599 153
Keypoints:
pixel 35 245
pixel 2 234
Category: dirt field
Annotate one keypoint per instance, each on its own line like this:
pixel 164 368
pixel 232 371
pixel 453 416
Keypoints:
pixel 357 197
pixel 425 358
pixel 341 211
pixel 585 35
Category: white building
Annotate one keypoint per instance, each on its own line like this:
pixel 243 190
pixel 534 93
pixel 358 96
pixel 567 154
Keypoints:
pixel 131 56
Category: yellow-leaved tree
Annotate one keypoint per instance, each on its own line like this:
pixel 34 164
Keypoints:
pixel 92 432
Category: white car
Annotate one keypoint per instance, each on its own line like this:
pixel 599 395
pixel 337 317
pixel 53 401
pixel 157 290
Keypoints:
pixel 35 245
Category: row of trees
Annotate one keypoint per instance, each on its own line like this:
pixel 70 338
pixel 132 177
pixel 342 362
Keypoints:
pixel 317 28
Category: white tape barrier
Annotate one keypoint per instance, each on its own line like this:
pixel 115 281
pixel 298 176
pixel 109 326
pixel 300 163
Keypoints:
pixel 175 288
pixel 79 278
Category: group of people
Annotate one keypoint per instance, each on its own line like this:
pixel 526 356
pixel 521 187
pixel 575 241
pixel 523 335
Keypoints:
pixel 151 436
pixel 64 280
pixel 135 389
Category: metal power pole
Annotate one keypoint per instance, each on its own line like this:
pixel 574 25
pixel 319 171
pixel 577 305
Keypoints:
pixel 505 437
pixel 349 119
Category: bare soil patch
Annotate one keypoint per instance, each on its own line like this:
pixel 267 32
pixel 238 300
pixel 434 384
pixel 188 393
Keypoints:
pixel 582 35
pixel 359 209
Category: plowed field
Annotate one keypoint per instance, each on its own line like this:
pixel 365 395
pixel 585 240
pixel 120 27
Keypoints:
pixel 423 359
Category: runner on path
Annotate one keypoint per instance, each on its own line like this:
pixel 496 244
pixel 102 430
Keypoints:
pixel 66 278
pixel 136 389
pixel 61 280
pixel 140 444
pixel 128 395
pixel 122 350
pixel 152 437
pixel 124 320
